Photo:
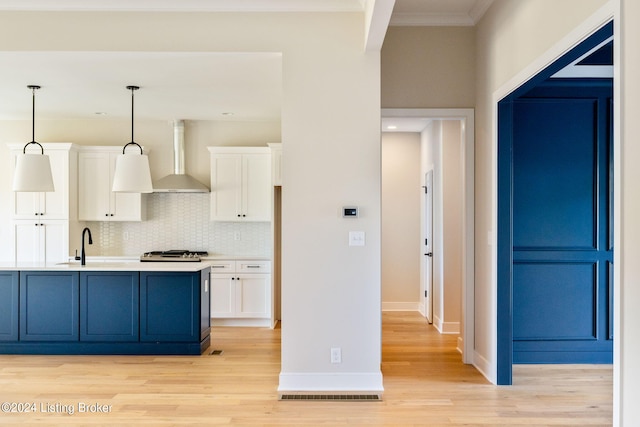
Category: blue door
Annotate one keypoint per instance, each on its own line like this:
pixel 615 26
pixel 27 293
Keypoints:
pixel 562 227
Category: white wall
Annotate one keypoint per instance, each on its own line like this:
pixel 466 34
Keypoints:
pixel 401 236
pixel 331 155
pixel 627 377
pixel 452 198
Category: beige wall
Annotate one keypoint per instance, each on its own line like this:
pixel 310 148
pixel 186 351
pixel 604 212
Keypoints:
pixel 428 67
pixel 401 199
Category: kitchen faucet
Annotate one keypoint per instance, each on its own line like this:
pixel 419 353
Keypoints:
pixel 83 260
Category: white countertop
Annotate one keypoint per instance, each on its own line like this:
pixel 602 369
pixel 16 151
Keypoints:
pixel 106 266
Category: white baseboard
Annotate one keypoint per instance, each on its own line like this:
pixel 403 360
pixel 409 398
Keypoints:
pixel 400 306
pixel 331 382
pixel 446 327
pixel 242 322
pixel 485 367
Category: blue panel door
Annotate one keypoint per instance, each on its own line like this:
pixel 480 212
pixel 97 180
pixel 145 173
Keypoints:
pixel 109 304
pixel 49 306
pixel 9 306
pixel 561 229
pixel 169 307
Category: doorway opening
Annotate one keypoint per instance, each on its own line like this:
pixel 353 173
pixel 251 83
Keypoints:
pixel 581 281
pixel 417 121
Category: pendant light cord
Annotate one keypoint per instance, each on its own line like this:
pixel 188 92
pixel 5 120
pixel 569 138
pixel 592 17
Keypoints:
pixel 33 120
pixel 132 89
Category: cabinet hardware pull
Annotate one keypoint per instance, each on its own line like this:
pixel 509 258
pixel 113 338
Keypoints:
pixel 217 266
pixel 253 266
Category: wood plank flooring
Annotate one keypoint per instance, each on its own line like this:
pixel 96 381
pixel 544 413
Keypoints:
pixel 425 385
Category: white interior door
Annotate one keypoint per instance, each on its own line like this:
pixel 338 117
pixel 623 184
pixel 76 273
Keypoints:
pixel 427 246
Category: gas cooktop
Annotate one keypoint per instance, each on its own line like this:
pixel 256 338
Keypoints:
pixel 173 255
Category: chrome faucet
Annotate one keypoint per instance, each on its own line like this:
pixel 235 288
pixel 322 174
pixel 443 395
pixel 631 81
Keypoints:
pixel 83 260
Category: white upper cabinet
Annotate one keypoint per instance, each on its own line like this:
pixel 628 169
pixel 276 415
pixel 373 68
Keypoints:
pixel 240 183
pixel 42 241
pixel 49 205
pixel 96 201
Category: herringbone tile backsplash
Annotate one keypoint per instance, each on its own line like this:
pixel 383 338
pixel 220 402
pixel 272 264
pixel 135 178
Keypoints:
pixel 181 221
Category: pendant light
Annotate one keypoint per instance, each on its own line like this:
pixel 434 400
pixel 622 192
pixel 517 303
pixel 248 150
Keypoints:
pixel 33 171
pixel 132 173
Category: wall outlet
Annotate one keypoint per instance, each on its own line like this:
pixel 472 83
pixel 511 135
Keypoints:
pixel 237 236
pixel 336 355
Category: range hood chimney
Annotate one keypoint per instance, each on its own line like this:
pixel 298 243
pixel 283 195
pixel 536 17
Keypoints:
pixel 179 181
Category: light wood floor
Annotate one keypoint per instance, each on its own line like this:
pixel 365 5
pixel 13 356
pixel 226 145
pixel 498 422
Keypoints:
pixel 425 385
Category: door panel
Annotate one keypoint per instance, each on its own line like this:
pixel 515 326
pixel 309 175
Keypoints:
pixel 561 222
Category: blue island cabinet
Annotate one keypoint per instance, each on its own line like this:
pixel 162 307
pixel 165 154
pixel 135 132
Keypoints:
pixel 104 311
pixel 9 306
pixel 173 307
pixel 109 306
pixel 49 306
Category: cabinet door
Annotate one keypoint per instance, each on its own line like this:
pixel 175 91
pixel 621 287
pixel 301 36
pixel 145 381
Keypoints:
pixel 9 306
pixel 169 307
pixel 253 295
pixel 256 187
pixel 49 306
pixel 54 241
pixel 27 205
pixel 96 200
pixel 27 241
pixel 226 187
pixel 223 295
pixel 41 241
pixel 94 188
pixel 109 304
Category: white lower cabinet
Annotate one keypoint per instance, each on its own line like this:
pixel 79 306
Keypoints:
pixel 241 292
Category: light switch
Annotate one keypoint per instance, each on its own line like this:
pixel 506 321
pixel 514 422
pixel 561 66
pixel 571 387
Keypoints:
pixel 356 238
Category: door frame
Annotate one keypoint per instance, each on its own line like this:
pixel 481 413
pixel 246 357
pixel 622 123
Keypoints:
pixel 427 219
pixel 467 118
pixel 562 54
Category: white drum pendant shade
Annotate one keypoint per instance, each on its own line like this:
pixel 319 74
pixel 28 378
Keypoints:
pixel 33 173
pixel 132 174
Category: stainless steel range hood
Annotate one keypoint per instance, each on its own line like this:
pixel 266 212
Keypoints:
pixel 179 181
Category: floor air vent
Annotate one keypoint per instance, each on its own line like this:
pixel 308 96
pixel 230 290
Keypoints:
pixel 215 352
pixel 333 397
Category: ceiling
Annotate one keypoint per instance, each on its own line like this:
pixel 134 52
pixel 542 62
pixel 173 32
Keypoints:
pixel 191 86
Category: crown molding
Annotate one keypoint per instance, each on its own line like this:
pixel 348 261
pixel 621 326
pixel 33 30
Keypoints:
pixel 469 19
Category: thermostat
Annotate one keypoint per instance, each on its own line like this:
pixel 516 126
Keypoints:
pixel 350 212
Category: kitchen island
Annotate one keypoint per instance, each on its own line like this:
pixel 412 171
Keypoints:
pixel 104 308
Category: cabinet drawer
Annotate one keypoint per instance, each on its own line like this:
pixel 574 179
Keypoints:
pixel 249 266
pixel 222 266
